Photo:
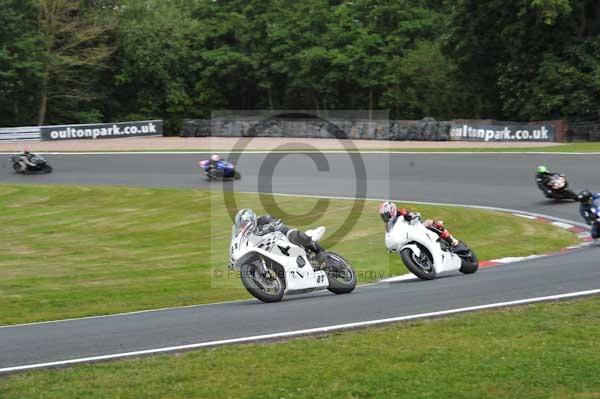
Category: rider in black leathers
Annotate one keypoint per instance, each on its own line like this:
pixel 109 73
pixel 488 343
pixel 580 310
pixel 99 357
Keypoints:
pixel 586 199
pixel 26 159
pixel 542 177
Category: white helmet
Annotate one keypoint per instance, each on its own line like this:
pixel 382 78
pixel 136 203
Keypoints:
pixel 245 219
pixel 388 210
pixel 215 158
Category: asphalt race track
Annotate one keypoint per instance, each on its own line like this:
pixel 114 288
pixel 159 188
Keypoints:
pixel 500 180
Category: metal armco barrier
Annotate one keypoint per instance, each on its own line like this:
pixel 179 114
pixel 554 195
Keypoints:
pixel 31 133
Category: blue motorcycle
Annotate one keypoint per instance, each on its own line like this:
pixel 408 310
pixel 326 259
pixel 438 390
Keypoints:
pixel 591 213
pixel 222 170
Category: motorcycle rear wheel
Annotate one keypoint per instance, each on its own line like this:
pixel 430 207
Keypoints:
pixel 18 167
pixel 268 288
pixel 420 266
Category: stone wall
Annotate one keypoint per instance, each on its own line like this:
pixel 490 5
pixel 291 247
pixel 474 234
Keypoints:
pixel 427 129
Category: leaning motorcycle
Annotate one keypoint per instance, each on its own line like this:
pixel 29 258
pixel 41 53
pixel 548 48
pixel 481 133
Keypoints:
pixel 425 254
pixel 593 219
pixel 557 188
pixel 271 266
pixel 39 164
pixel 223 170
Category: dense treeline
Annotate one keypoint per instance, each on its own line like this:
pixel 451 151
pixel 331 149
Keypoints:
pixel 101 60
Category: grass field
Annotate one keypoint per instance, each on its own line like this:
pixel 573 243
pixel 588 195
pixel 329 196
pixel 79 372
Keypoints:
pixel 72 251
pixel 540 351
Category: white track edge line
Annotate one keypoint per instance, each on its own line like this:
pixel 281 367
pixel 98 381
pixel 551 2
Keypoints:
pixel 490 208
pixel 483 207
pixel 288 334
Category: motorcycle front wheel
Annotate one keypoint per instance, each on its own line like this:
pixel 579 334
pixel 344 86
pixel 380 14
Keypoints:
pixel 341 275
pixel 266 287
pixel 47 169
pixel 469 261
pixel 422 265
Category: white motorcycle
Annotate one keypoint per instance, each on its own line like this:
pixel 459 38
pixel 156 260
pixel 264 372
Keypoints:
pixel 271 266
pixel 425 254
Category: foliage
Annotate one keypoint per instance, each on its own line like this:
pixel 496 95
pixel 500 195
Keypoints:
pixel 532 59
pixel 74 50
pixel 524 59
pixel 20 66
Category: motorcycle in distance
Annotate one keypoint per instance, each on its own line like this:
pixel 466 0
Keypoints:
pixel 40 165
pixel 271 266
pixel 556 188
pixel 223 170
pixel 425 254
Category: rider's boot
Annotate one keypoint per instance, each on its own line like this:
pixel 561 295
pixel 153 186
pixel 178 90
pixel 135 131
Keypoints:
pixel 446 236
pixel 321 254
pixel 302 239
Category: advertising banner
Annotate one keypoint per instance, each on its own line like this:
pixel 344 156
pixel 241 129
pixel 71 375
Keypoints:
pixel 498 132
pixel 102 130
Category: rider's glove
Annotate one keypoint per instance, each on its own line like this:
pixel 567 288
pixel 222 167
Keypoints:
pixel 267 228
pixel 412 216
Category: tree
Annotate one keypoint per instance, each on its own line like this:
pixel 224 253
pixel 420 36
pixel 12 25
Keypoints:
pixel 75 49
pixel 422 83
pixel 528 59
pixel 20 66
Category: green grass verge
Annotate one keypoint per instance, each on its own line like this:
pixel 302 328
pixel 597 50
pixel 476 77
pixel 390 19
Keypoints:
pixel 540 351
pixel 72 251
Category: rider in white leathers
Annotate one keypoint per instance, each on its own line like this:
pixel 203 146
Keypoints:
pixel 389 213
pixel 267 224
